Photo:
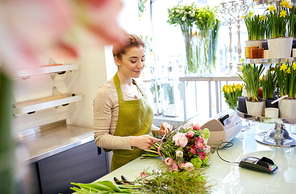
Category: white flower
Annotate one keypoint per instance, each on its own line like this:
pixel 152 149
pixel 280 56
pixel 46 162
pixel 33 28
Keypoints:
pixel 189 12
pixel 179 154
pixel 181 11
pixel 183 18
pixel 192 15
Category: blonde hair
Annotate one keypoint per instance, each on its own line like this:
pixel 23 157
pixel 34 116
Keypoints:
pixel 130 40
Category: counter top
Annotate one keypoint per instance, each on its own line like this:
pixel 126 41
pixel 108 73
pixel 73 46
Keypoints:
pixel 229 177
pixel 44 143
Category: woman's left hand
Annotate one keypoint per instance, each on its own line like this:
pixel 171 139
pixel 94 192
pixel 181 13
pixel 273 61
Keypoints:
pixel 165 128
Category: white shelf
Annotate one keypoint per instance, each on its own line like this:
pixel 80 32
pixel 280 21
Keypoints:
pixel 275 60
pixel 46 70
pixel 44 103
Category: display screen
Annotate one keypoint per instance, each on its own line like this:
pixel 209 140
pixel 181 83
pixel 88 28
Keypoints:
pixel 251 160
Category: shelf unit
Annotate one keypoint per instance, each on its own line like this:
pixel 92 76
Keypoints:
pixel 47 69
pixel 32 106
pixel 268 61
pixel 278 136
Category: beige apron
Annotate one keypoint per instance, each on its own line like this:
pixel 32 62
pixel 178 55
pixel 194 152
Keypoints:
pixel 134 119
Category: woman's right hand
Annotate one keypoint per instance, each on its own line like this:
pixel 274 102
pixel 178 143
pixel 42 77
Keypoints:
pixel 144 142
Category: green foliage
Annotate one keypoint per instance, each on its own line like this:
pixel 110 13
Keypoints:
pixel 268 82
pixel 250 76
pixel 205 19
pixel 256 26
pixel 165 182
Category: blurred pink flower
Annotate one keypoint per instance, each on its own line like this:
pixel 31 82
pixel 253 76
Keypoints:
pixel 202 155
pixel 199 142
pixel 169 161
pixel 190 133
pixel 179 154
pixel 182 165
pixel 180 140
pixel 196 127
pixel 207 149
pixel 188 166
pixel 174 167
pixel 143 174
pixel 31 29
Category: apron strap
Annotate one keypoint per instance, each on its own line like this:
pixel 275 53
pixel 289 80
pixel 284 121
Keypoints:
pixel 134 81
pixel 117 84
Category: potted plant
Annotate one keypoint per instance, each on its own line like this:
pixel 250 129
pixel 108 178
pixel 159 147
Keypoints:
pixel 268 82
pixel 286 78
pixel 256 28
pixel 278 22
pixel 231 94
pixel 250 76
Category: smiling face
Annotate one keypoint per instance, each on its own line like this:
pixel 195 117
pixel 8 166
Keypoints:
pixel 132 62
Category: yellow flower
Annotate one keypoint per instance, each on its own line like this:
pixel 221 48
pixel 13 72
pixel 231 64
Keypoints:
pixel 230 89
pixel 283 13
pixel 294 66
pixel 285 4
pixel 288 71
pixel 243 16
pixel 251 13
pixel 263 17
pixel 271 8
pixel 224 88
pixel 283 67
pixel 227 90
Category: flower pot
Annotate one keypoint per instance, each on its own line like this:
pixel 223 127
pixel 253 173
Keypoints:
pixel 255 108
pixel 287 108
pixel 252 43
pixel 280 47
pixel 242 104
pixel 268 103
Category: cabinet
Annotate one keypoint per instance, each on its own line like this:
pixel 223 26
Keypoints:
pixel 84 163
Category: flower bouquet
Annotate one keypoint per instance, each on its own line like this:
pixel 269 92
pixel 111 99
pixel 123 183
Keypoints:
pixel 286 78
pixel 184 149
pixel 231 94
pixel 268 82
pixel 184 16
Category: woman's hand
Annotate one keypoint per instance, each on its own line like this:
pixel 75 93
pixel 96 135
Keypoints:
pixel 144 142
pixel 165 128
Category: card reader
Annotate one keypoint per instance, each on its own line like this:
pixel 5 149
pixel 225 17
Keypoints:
pixel 262 165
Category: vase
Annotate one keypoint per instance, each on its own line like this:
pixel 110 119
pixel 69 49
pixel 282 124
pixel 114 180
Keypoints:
pixel 202 50
pixel 280 47
pixel 242 104
pixel 287 108
pixel 190 66
pixel 255 108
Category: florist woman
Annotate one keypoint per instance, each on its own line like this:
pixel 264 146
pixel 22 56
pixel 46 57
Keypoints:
pixel 122 115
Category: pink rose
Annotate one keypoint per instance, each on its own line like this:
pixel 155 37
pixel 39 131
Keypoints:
pixel 182 165
pixel 196 127
pixel 169 161
pixel 180 140
pixel 188 166
pixel 143 174
pixel 190 133
pixel 199 142
pixel 201 155
pixel 207 149
pixel 174 167
pixel 179 154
